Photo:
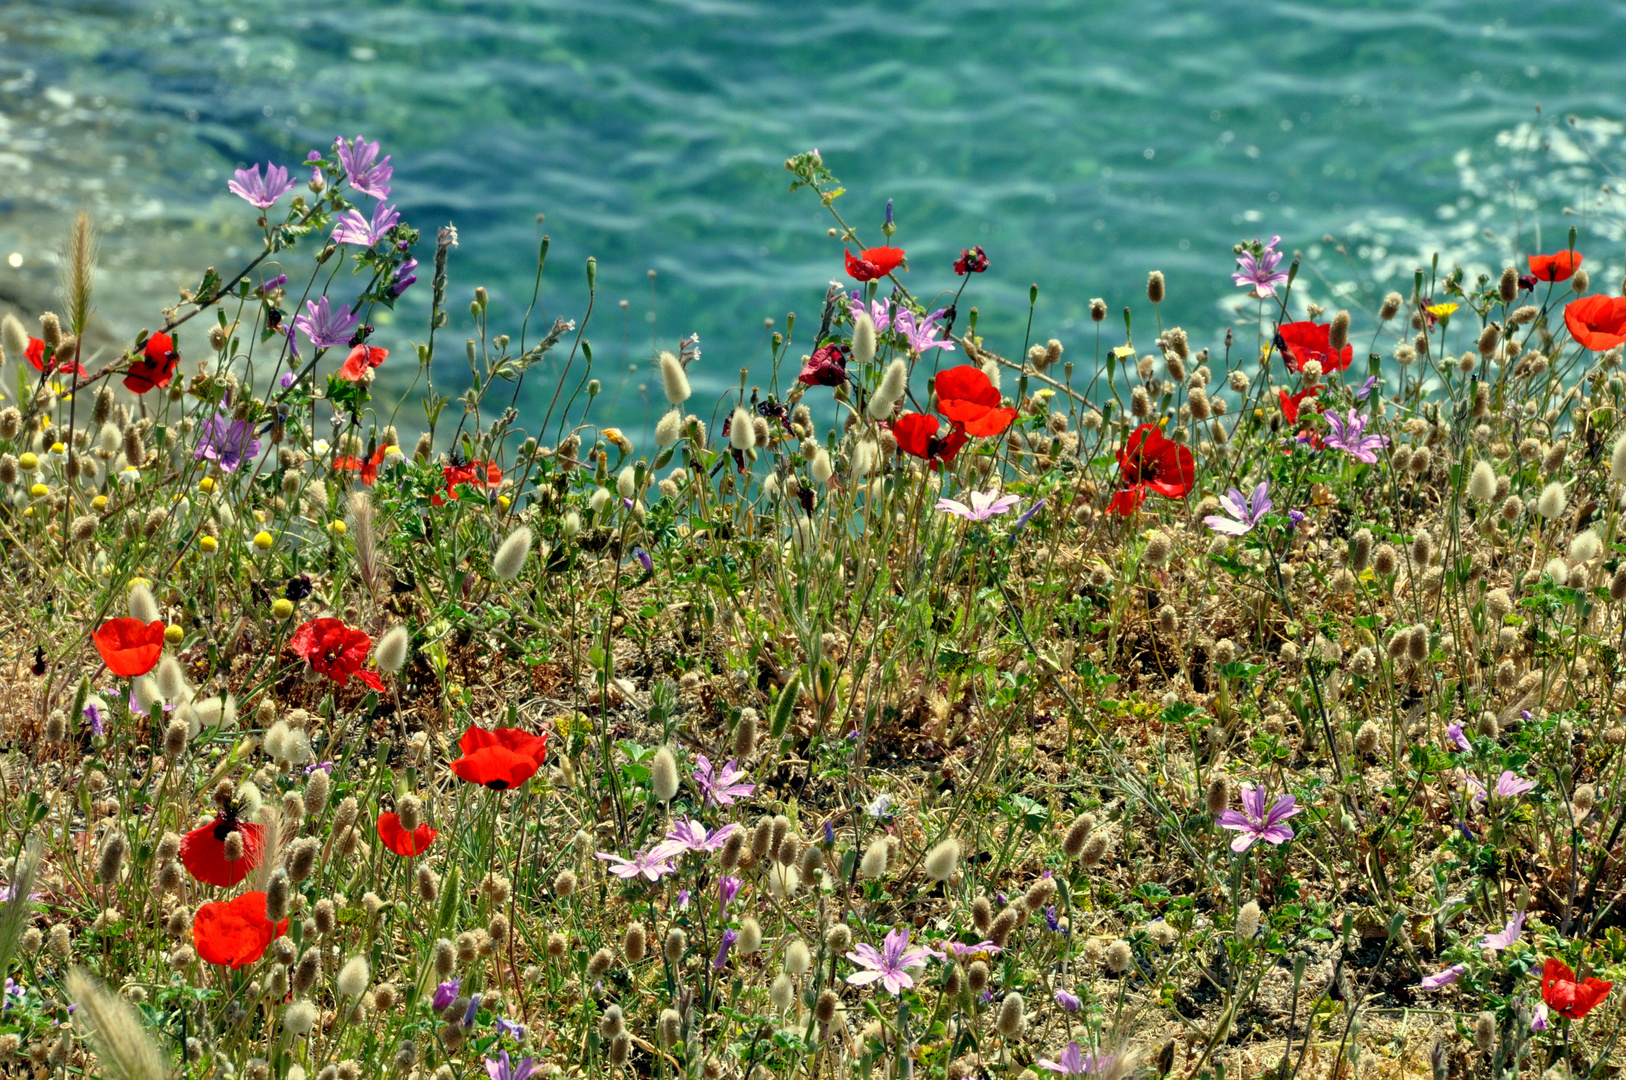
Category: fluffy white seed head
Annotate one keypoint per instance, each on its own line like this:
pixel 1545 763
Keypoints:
pixel 674 379
pixel 663 774
pixel 1617 461
pixel 354 976
pixel 863 340
pixel 1551 502
pixel 943 860
pixel 142 605
pixel 14 338
pixel 873 864
pixel 820 468
pixel 511 554
pixel 798 959
pixel 393 649
pixel 1482 482
pixel 299 1017
pixel 890 392
pixel 1585 546
pixel 742 432
pixel 668 429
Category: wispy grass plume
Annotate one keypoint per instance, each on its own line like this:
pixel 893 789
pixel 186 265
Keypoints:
pixel 78 268
pixel 125 1049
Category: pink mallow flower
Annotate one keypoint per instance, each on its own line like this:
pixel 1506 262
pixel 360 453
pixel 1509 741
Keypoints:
pixel 646 864
pixel 1256 823
pixel 1508 935
pixel 721 786
pixel 984 505
pixel 1442 978
pixel 1509 785
pixel 889 962
pixel 260 191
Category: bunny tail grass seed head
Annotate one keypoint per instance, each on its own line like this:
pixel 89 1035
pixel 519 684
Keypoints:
pixel 142 606
pixel 13 339
pixel 742 432
pixel 123 1047
pixel 393 649
pixel 1156 288
pixel 1482 481
pixel 1551 502
pixel 663 774
pixel 354 976
pixel 873 864
pixel 863 340
pixel 943 860
pixel 674 380
pixel 511 555
pixel 1617 461
pixel 668 429
pixel 890 392
pixel 1247 921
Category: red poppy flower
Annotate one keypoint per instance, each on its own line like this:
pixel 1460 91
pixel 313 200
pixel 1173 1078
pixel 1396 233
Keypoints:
pixel 399 840
pixel 156 365
pixel 368 466
pixel 335 650
pixel 875 262
pixel 826 367
pixel 1127 501
pixel 1567 997
pixel 362 359
pixel 1301 342
pixel 500 758
pixel 36 353
pixel 1158 462
pixel 478 473
pixel 917 434
pixel 130 647
pixel 235 933
pixel 1559 267
pixel 1598 322
pixel 203 850
pixel 967 396
pixel 1290 402
pixel 971 261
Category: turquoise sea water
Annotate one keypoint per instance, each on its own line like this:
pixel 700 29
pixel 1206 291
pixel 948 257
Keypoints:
pixel 1081 144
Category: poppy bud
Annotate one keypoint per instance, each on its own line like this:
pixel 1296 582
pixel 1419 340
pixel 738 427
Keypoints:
pixel 1155 287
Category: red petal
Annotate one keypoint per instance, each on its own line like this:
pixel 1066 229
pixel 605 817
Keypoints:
pixel 991 422
pixel 914 432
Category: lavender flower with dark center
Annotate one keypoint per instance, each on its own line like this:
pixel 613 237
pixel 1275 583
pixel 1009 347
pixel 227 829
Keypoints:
pixel 1258 268
pixel 1256 823
pixel 358 160
pixel 921 333
pixel 325 327
pixel 1244 512
pixel 355 229
pixel 646 864
pixel 1073 1061
pixel 889 963
pixel 260 191
pixel 689 836
pixel 719 961
pixel 1348 436
pixel 226 442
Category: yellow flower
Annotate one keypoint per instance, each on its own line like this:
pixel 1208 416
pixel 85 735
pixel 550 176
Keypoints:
pixel 139 581
pixel 1440 311
pixel 504 501
pixel 208 545
pixel 99 503
pixel 1124 351
pixel 283 608
pixel 28 461
pixel 174 634
pixel 337 528
pixel 615 438
pixel 263 541
pixel 59 448
pixel 206 484
pixel 39 491
pixel 1045 394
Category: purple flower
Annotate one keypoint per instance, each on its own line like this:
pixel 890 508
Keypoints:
pixel 446 993
pixel 355 229
pixel 404 277
pixel 499 1068
pixel 325 766
pixel 645 863
pixel 720 786
pixel 720 961
pixel 1244 513
pixel 1259 272
pixel 288 378
pixel 93 714
pixel 271 285
pixel 1027 515
pixel 688 835
pixel 1508 785
pixel 1366 387
pixel 984 505
pixel 888 963
pixel 961 950
pixel 14 994
pixel 1052 922
pixel 1256 823
pixel 325 327
pixel 879 311
pixel 1073 1061
pixel 472 1011
pixel 512 1030
pixel 261 191
pixel 880 808
pixel 1538 1022
pixel 1454 733
pixel 1443 978
pixel 1509 934
pixel 1346 436
pixel 226 442
pixel 921 333
pixel 1068 1002
pixel 644 559
pixel 728 888
pixel 1295 518
pixel 366 177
